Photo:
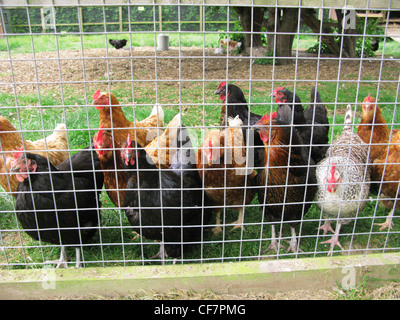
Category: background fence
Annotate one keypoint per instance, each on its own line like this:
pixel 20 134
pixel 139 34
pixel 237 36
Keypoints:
pixel 57 56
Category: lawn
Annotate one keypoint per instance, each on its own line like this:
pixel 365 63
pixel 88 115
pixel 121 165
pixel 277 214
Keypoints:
pixel 58 86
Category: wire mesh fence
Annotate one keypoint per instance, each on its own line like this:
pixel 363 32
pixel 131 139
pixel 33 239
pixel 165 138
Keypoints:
pixel 243 140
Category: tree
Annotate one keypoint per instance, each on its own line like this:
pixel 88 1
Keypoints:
pixel 281 26
pixel 251 20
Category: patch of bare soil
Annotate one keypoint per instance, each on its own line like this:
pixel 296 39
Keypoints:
pixel 178 67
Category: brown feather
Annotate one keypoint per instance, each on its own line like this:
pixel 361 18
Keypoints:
pixel 54 147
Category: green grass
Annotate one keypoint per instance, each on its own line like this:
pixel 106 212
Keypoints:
pixel 123 245
pixel 43 43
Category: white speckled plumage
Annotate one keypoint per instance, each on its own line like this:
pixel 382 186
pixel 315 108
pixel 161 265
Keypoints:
pixel 350 154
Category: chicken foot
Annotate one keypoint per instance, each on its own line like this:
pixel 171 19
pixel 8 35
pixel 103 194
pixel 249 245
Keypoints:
pixel 217 229
pixel 293 247
pixel 327 226
pixel 239 222
pixel 388 223
pixel 334 241
pixel 63 260
pixel 275 245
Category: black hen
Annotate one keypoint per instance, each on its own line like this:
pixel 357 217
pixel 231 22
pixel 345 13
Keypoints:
pixel 117 44
pixel 285 96
pixel 317 116
pixel 235 104
pixel 56 205
pixel 313 126
pixel 177 215
pixel 288 179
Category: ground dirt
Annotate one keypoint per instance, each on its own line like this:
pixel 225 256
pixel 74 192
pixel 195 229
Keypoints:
pixel 177 67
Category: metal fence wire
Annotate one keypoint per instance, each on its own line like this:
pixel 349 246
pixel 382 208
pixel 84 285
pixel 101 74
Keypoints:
pixel 262 132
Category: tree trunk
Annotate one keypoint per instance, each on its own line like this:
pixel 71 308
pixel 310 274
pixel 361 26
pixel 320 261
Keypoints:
pixel 347 27
pixel 327 37
pixel 251 22
pixel 282 21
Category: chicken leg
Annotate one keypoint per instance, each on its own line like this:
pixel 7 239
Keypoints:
pixel 327 226
pixel 239 222
pixel 63 260
pixel 334 241
pixel 217 229
pixel 293 242
pixel 274 243
pixel 388 223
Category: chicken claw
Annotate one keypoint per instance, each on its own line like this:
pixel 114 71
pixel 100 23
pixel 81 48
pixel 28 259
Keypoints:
pixel 293 247
pixel 275 246
pixel 327 227
pixel 216 230
pixel 387 224
pixel 239 222
pixel 334 241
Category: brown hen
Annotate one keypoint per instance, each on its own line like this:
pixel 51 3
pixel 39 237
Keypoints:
pixel 373 129
pixel 387 169
pixel 113 117
pixel 221 162
pixel 54 147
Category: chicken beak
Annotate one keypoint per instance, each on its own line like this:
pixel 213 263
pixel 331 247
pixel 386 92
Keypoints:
pixel 217 91
pixel 14 169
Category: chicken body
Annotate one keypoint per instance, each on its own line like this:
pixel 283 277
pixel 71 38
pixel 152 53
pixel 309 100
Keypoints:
pixel 54 147
pixel 55 205
pixel 373 129
pixel 176 215
pixel 313 123
pixel 161 150
pixel 387 170
pixel 283 190
pixel 343 179
pixel 235 104
pixel 221 162
pixel 115 177
pixel 118 44
pixel 113 117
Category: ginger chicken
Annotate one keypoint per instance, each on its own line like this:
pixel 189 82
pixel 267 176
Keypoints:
pixel 160 150
pixel 115 178
pixel 113 117
pixel 54 147
pixel 373 129
pixel 387 169
pixel 221 162
pixel 287 182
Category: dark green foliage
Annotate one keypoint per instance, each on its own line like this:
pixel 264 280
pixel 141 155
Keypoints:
pixel 363 44
pixel 134 18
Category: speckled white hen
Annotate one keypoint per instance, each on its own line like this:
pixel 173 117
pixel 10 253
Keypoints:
pixel 343 179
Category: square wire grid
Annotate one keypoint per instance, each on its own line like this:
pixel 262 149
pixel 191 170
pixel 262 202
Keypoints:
pixel 50 70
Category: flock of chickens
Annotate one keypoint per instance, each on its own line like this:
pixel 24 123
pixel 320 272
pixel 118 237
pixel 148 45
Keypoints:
pixel 169 191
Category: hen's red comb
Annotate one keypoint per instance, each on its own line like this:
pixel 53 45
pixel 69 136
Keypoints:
pixel 222 84
pixel 369 99
pixel 267 118
pixel 18 153
pixel 96 94
pixel 129 142
pixel 332 171
pixel 278 89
